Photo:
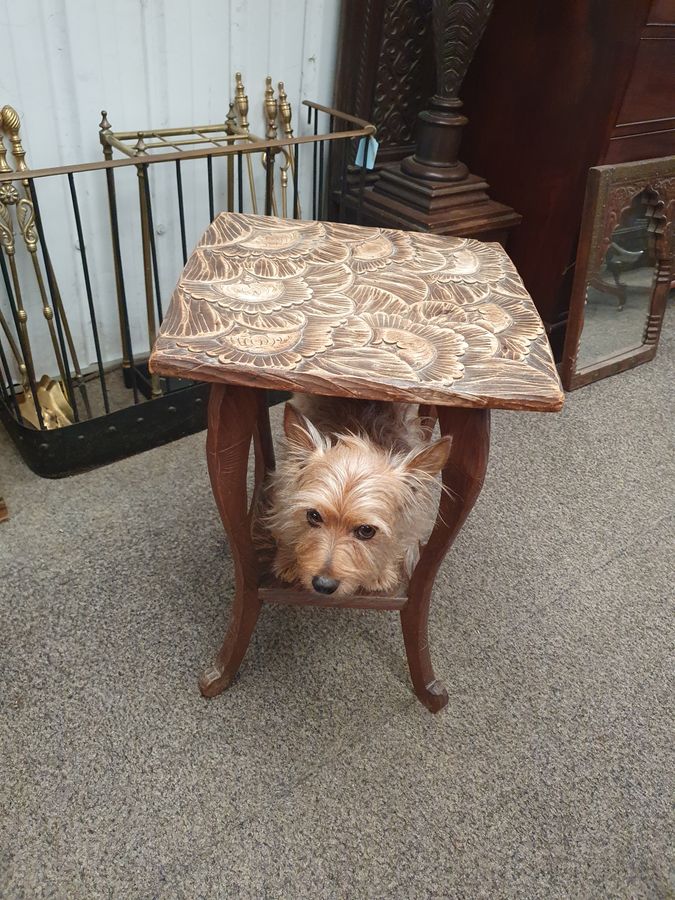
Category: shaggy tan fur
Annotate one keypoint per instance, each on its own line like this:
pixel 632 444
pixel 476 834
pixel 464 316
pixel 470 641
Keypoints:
pixel 353 494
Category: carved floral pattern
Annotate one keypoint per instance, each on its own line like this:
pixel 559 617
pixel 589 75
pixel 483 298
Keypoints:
pixel 340 308
pixel 403 79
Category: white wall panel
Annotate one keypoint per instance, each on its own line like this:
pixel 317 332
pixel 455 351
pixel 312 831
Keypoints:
pixel 149 63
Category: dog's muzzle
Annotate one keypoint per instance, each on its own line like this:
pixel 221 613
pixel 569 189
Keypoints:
pixel 324 585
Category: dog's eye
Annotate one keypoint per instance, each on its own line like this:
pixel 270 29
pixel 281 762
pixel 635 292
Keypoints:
pixel 365 532
pixel 314 517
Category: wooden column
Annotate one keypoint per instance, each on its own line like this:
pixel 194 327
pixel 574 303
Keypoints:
pixel 432 190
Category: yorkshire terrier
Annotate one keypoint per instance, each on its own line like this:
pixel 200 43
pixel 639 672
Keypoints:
pixel 353 494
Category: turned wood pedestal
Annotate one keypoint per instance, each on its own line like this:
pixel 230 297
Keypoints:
pixel 342 310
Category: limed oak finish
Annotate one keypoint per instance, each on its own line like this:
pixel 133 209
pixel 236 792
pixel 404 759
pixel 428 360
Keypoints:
pixel 348 311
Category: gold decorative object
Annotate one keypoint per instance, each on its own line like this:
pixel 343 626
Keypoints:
pixel 241 103
pixel 270 110
pixel 56 406
pixel 285 119
pixel 333 308
pixel 230 129
pixel 270 106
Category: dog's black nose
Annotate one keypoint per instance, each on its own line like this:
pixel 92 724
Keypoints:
pixel 324 585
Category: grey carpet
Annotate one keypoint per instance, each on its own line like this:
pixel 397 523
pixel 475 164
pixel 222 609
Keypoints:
pixel 318 774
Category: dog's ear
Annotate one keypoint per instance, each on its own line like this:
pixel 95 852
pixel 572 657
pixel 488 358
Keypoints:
pixel 431 458
pixel 300 432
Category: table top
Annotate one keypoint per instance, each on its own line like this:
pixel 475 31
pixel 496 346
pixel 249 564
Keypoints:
pixel 329 308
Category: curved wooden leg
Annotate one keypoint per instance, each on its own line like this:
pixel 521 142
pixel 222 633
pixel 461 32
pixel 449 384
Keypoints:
pixel 232 423
pixel 428 415
pixel 462 479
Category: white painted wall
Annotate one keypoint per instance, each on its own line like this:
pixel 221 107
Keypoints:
pixel 149 63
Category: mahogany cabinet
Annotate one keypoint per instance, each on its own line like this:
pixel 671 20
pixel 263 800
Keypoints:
pixel 554 89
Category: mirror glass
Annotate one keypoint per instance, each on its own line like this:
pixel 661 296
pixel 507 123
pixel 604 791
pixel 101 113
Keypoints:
pixel 618 293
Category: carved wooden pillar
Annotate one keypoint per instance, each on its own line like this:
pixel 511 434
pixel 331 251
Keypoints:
pixel 432 190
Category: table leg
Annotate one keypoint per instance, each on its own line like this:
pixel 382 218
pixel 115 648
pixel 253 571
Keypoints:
pixel 234 419
pixel 463 479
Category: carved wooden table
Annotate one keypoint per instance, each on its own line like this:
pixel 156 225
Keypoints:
pixel 360 312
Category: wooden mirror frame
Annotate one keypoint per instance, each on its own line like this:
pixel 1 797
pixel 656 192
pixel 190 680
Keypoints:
pixel 610 190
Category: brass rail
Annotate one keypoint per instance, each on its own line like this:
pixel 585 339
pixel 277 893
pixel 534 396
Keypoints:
pixel 364 130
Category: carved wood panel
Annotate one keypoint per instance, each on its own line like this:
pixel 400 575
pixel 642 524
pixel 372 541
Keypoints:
pixel 385 67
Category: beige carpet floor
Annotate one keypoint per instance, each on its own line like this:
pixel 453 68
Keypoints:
pixel 318 775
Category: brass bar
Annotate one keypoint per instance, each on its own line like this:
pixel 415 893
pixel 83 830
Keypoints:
pixel 285 117
pixel 241 103
pixel 113 141
pixel 168 132
pixel 218 142
pixel 104 127
pixel 165 142
pixel 156 390
pixel 251 182
pixel 246 149
pixel 271 108
pixel 338 114
pixel 119 278
pixel 215 142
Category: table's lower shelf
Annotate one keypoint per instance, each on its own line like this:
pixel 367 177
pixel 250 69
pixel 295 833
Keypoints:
pixel 271 590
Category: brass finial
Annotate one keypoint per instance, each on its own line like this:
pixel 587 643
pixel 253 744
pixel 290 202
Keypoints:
pixel 230 120
pixel 104 124
pixel 12 123
pixel 285 113
pixel 270 109
pixel 139 146
pixel 241 102
pixel 10 119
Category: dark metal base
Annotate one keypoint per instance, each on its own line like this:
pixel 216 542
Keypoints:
pixel 140 374
pixel 96 442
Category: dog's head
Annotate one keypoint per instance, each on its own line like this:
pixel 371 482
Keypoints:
pixel 345 510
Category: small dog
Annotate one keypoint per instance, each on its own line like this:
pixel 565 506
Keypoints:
pixel 353 494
